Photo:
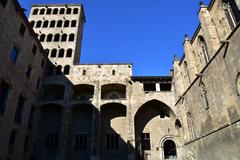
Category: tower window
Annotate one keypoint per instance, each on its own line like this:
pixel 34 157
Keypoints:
pixel 35 12
pixel 204 49
pixel 75 11
pixel 66 70
pixel 4 92
pixel 49 38
pixel 81 141
pixel 32 23
pixel 14 55
pixel 49 10
pixel 69 53
pixel 66 23
pixel 56 37
pixel 22 29
pixel 84 72
pixel 54 53
pixel 59 23
pixel 39 23
pixel 19 109
pixel 34 49
pixel 69 10
pixel 29 71
pixel 55 11
pixel 52 24
pixel 112 141
pixel 62 10
pixel 64 38
pixel 42 38
pixel 61 53
pixel 71 37
pixel 74 23
pixel 146 141
pixel 59 70
pixel 42 11
pixel 113 72
pixel 47 52
pixel 45 24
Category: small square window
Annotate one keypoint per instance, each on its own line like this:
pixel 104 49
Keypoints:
pixel 34 49
pixel 22 29
pixel 14 55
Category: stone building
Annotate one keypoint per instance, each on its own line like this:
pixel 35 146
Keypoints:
pixel 53 108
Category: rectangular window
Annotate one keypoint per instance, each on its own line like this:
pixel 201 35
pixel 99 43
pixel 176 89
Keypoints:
pixel 165 86
pixel 146 141
pixel 52 140
pixel 149 87
pixel 14 55
pixel 81 141
pixel 19 110
pixel 29 71
pixel 12 137
pixel 112 141
pixel 30 119
pixel 34 49
pixel 4 92
pixel 22 29
pixel 84 72
pixel 3 3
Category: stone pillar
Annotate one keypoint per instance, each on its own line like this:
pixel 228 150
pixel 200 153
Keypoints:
pixel 209 30
pixel 189 54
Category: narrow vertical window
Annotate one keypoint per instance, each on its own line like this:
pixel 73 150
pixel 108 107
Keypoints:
pixel 59 23
pixel 22 29
pixel 238 84
pixel 34 49
pixel 113 72
pixel 66 70
pixel 232 12
pixel 19 109
pixel 61 53
pixel 204 95
pixel 81 141
pixel 14 55
pixel 4 92
pixel 71 37
pixel 84 72
pixel 64 38
pixel 30 119
pixel 35 12
pixel 29 72
pixel 52 24
pixel 146 141
pixel 69 53
pixel 45 24
pixel 204 49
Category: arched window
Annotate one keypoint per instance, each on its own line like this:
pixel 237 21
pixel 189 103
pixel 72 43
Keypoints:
pixel 49 11
pixel 66 69
pixel 45 24
pixel 75 11
pixel 32 23
pixel 52 24
pixel 59 23
pixel 232 12
pixel 66 23
pixel 42 11
pixel 47 52
pixel 69 52
pixel 71 37
pixel 170 151
pixel 49 38
pixel 39 23
pixel 64 38
pixel 204 95
pixel 42 38
pixel 204 49
pixel 74 23
pixel 55 11
pixel 58 70
pixel 178 123
pixel 53 53
pixel 61 53
pixel 69 10
pixel 35 11
pixel 62 10
pixel 56 37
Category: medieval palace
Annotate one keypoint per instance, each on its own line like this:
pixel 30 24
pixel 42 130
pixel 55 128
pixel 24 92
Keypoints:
pixel 53 108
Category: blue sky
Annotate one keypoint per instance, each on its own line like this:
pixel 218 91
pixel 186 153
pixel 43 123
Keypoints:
pixel 146 33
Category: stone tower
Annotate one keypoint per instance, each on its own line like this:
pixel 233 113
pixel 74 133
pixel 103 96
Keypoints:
pixel 59 29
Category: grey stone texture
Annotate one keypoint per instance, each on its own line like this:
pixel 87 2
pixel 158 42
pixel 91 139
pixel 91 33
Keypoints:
pixel 102 111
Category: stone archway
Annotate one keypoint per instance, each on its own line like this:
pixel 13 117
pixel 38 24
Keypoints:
pixel 153 121
pixel 170 150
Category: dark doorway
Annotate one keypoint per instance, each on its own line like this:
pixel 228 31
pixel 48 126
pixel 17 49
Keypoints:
pixel 170 152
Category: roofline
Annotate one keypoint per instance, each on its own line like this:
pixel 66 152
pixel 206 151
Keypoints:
pixel 54 5
pixel 103 64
